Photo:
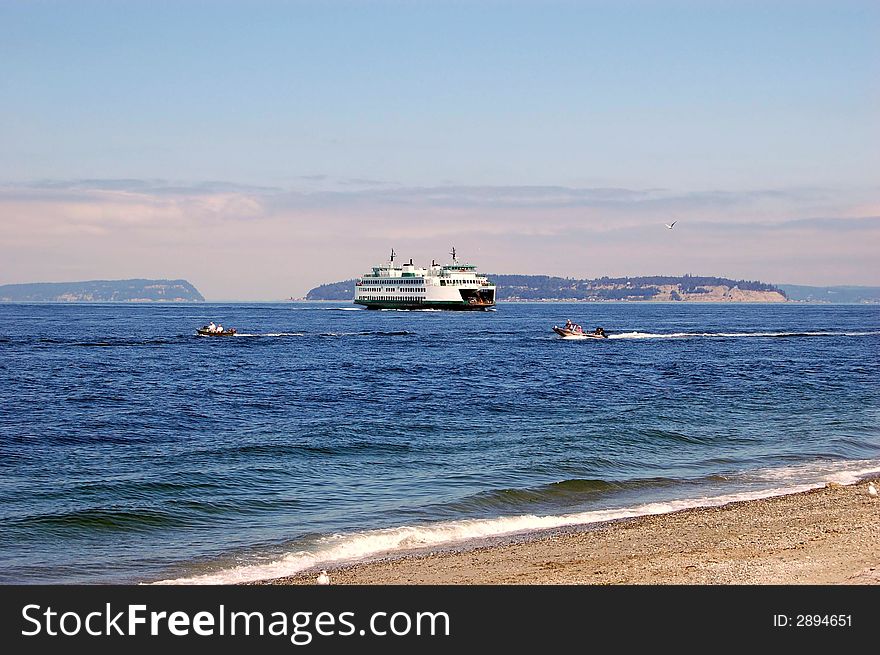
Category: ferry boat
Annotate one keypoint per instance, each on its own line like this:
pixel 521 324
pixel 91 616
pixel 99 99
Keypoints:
pixel 450 286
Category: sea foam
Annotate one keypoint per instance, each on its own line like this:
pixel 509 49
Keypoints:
pixel 359 546
pixel 691 335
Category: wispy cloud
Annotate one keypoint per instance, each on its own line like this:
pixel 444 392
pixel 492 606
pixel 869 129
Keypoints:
pixel 146 186
pixel 548 197
pixel 363 181
pixel 381 193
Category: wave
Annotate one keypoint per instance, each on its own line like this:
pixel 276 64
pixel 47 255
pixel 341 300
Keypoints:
pixel 284 449
pixel 111 343
pixel 368 333
pixel 691 335
pixel 97 519
pixel 340 549
pixel 348 548
pixel 573 490
pixel 104 437
pixel 269 334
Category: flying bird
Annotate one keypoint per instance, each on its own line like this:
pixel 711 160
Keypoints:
pixel 323 578
pixel 872 489
pixel 669 225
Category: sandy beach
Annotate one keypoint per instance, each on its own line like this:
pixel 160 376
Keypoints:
pixel 824 536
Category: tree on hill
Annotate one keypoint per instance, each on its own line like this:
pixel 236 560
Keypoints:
pixel 539 287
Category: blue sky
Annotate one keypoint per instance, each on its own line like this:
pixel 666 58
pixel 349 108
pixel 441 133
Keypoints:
pixel 121 121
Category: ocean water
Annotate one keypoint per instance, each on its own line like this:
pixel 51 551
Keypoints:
pixel 132 450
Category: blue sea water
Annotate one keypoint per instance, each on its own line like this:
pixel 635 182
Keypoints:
pixel 132 450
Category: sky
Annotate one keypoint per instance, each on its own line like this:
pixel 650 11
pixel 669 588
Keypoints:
pixel 259 149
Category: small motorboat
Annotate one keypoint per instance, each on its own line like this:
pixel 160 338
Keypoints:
pixel 207 332
pixel 577 332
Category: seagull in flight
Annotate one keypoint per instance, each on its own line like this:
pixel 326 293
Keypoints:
pixel 669 225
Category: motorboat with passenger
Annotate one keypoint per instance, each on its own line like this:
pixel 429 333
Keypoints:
pixel 575 331
pixel 215 331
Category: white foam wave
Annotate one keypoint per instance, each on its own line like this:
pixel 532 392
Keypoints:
pixel 271 334
pixel 323 334
pixel 400 333
pixel 346 548
pixel 820 472
pixel 691 335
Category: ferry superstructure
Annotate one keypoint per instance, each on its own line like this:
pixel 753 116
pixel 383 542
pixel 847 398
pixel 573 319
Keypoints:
pixel 439 286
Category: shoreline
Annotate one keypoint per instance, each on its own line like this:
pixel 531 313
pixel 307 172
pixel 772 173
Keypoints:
pixel 822 536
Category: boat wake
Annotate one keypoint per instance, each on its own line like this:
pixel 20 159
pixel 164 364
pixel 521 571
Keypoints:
pixel 271 334
pixel 731 335
pixel 365 333
pixel 368 333
pixel 360 546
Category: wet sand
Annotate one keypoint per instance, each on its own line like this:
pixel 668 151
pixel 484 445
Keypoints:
pixel 825 536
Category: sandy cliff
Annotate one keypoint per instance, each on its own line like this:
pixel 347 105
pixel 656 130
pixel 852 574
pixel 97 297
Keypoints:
pixel 717 294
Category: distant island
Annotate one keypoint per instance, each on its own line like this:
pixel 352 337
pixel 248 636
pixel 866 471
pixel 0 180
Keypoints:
pixel 102 291
pixel 647 288
pixel 839 294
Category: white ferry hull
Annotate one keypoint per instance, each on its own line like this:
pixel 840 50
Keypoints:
pixel 437 304
pixel 456 286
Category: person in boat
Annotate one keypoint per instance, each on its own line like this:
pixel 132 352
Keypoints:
pixel 599 331
pixel 219 328
pixel 569 325
pixel 212 327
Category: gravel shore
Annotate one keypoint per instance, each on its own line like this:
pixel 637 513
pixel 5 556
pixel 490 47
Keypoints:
pixel 825 536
